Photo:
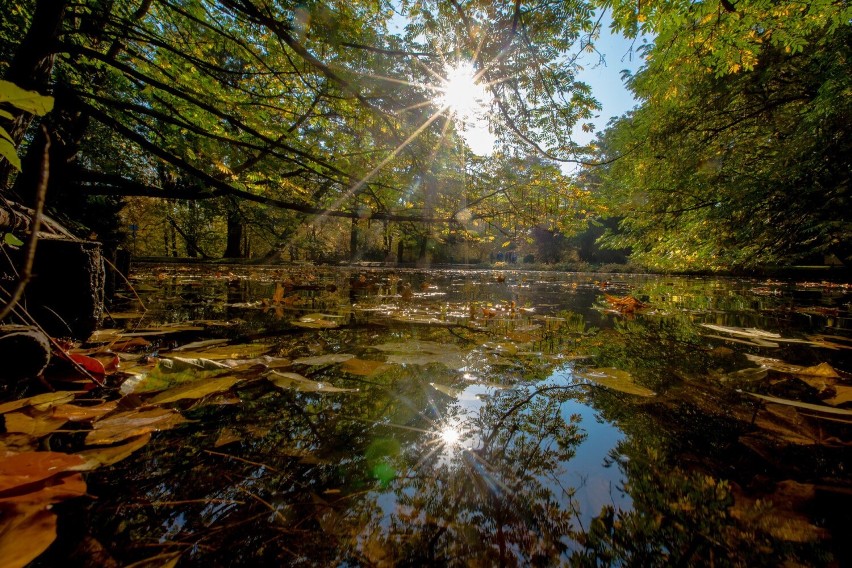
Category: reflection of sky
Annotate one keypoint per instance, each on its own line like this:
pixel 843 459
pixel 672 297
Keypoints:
pixel 596 484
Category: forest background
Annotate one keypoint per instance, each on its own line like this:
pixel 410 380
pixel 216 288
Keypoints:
pixel 329 131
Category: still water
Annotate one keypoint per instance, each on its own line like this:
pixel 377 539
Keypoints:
pixel 447 418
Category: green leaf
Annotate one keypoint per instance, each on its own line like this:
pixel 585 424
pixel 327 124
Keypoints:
pixel 12 240
pixel 8 151
pixel 29 101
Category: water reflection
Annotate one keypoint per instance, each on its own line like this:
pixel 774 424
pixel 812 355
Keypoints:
pixel 473 438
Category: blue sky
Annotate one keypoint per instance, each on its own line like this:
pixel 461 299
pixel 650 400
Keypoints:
pixel 605 78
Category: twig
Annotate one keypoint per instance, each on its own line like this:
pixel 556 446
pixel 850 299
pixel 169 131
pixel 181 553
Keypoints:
pixel 29 251
pixel 269 467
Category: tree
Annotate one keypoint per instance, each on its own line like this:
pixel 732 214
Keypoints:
pixel 738 156
pixel 321 109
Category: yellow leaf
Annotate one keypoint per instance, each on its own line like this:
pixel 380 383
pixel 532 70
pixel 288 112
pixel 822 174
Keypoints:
pixel 196 389
pixel 133 423
pixel 99 457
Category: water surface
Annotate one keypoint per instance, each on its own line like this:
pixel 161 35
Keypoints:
pixel 481 418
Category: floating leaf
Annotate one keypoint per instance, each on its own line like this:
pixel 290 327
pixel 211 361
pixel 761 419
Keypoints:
pixel 843 394
pixel 124 425
pixel 25 534
pixel 227 436
pixel 15 443
pixel 74 413
pixel 37 426
pixel 29 467
pixel 300 383
pixel 329 359
pixel 424 353
pixel 743 331
pixel 749 374
pixel 200 345
pixel 805 405
pixel 40 401
pixel 317 321
pixel 196 389
pixel 615 379
pixel 363 367
pixel 175 364
pixel 241 351
pixel 822 370
pixel 100 457
pixel 90 364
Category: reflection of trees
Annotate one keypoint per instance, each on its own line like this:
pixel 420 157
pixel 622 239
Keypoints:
pixel 500 503
pixel 691 518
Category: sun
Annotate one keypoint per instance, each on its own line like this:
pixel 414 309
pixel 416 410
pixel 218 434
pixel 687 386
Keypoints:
pixel 461 92
pixel 466 98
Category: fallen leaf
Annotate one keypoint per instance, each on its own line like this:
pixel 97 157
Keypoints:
pixel 15 443
pixel 200 345
pixel 174 364
pixel 36 426
pixel 74 413
pixel 90 364
pixel 329 359
pixel 806 405
pixel 842 395
pixel 101 457
pixel 363 367
pixel 615 379
pixel 227 436
pixel 118 427
pixel 41 401
pixel 25 534
pixel 66 485
pixel 29 467
pixel 196 389
pixel 424 353
pixel 302 384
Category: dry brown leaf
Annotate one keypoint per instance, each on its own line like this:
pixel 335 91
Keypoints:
pixel 50 491
pixel 124 425
pixel 227 436
pixel 74 413
pixel 25 534
pixel 15 443
pixel 41 401
pixel 842 395
pixel 100 457
pixel 29 467
pixel 37 426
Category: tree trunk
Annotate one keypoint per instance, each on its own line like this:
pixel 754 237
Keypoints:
pixel 32 67
pixel 234 239
pixel 353 241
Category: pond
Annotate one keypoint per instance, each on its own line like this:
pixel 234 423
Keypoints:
pixel 275 416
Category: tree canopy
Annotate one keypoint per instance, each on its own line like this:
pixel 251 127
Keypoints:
pixel 274 116
pixel 739 153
